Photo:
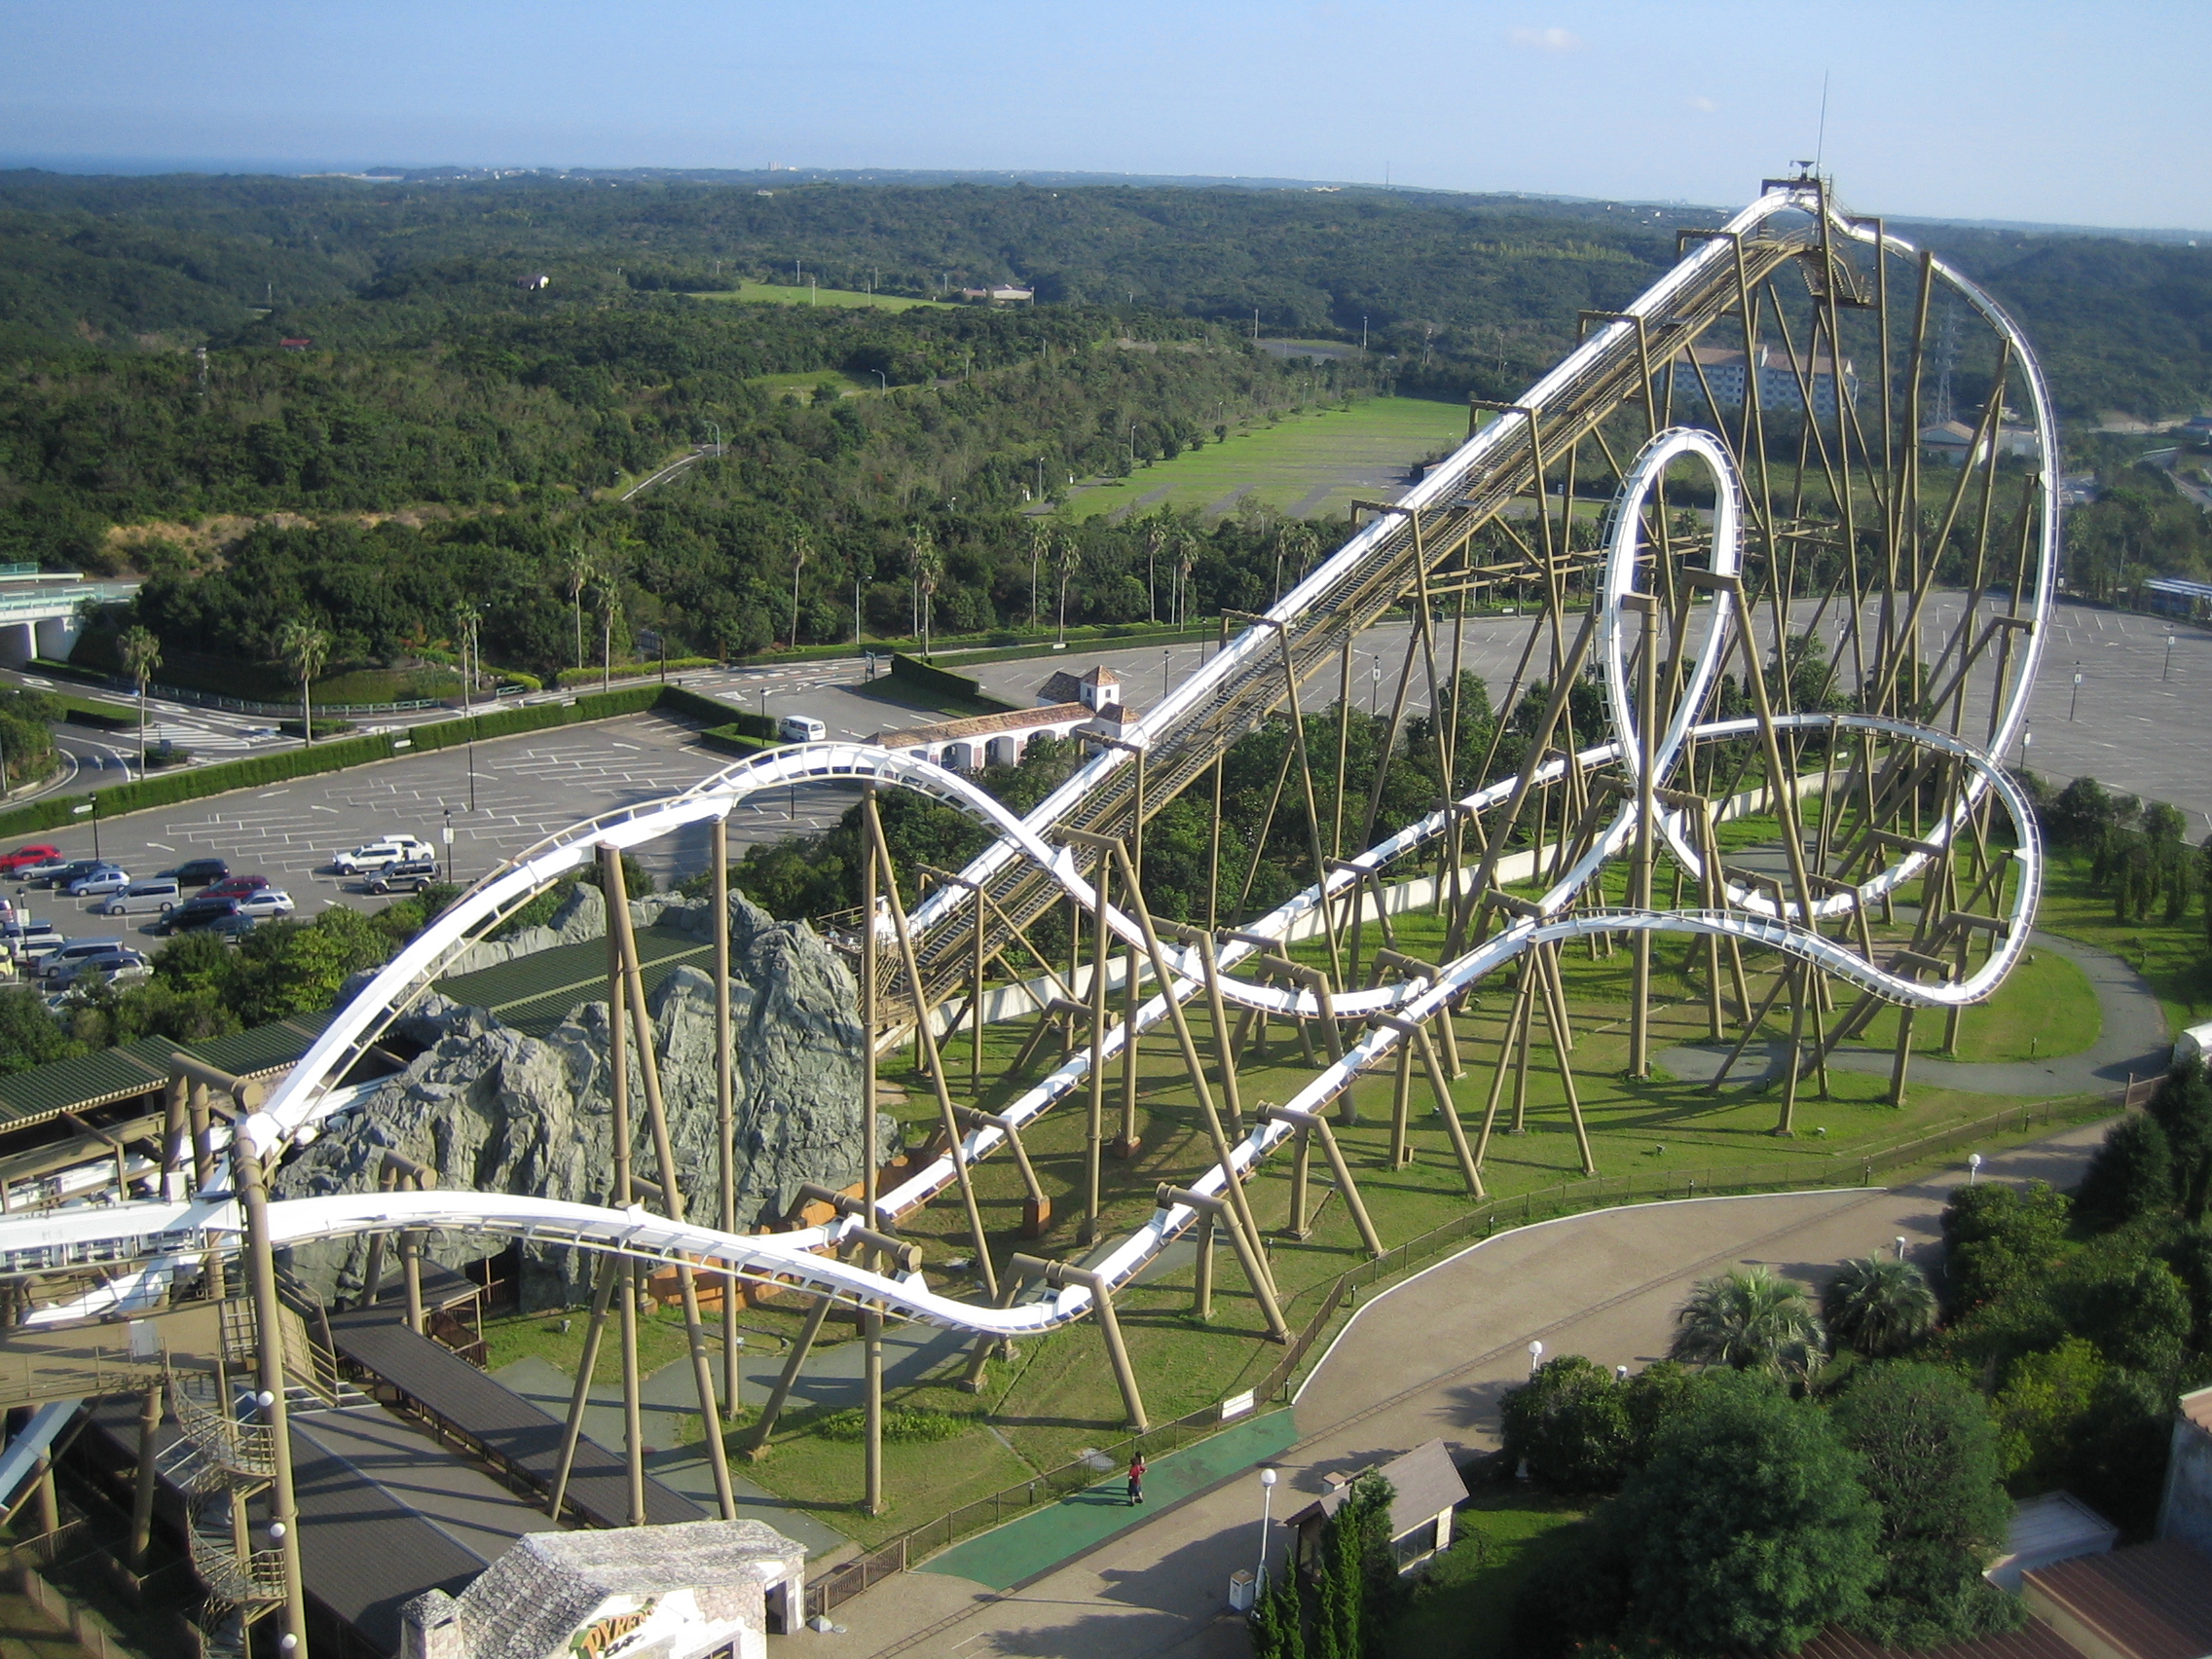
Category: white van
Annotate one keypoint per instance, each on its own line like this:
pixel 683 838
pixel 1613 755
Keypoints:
pixel 156 894
pixel 800 729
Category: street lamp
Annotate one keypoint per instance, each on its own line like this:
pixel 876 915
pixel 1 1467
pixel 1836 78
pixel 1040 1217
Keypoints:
pixel 881 385
pixel 717 431
pixel 2167 672
pixel 2075 701
pixel 1901 1246
pixel 447 837
pixel 1535 1356
pixel 1267 1479
pixel 1974 1167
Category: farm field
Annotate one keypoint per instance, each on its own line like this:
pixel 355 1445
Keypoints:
pixel 1309 465
pixel 787 294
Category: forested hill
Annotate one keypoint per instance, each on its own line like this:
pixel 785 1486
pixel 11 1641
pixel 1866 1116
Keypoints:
pixel 2120 324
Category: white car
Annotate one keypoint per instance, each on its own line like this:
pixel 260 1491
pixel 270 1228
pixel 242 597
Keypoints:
pixel 267 903
pixel 376 855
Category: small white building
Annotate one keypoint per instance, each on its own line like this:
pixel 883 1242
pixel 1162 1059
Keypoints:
pixel 698 1590
pixel 2046 1530
pixel 1088 707
pixel 1426 1487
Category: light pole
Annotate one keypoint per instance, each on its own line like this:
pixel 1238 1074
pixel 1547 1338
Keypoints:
pixel 881 385
pixel 446 835
pixel 717 431
pixel 1974 1167
pixel 1375 692
pixel 2074 702
pixel 1267 1479
pixel 2167 672
pixel 1901 1246
pixel 1535 1356
pixel 2027 743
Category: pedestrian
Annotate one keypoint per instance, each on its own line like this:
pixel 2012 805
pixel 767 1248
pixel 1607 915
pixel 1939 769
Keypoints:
pixel 1136 1477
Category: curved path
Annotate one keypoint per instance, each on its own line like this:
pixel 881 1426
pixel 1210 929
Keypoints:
pixel 2132 1042
pixel 1427 1358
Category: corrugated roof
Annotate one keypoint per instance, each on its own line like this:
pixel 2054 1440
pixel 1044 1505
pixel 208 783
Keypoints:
pixel 2151 1601
pixel 2034 1640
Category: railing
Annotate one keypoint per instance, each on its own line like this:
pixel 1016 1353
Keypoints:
pixel 277 710
pixel 223 1441
pixel 255 1579
pixel 1498 1215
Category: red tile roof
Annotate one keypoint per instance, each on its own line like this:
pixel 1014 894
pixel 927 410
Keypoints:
pixel 2034 1640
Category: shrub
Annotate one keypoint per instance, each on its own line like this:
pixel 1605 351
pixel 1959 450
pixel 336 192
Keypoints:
pixel 1878 1304
pixel 1569 1425
pixel 2000 1237
pixel 902 1425
pixel 1751 1319
pixel 2131 1176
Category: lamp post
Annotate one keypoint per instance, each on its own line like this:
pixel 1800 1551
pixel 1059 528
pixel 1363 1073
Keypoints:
pixel 881 385
pixel 446 836
pixel 95 801
pixel 1535 1356
pixel 1267 1479
pixel 2167 672
pixel 1974 1169
pixel 2074 702
pixel 1901 1246
pixel 717 431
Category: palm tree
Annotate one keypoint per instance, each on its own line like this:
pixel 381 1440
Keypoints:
pixel 1186 555
pixel 579 568
pixel 304 649
pixel 1067 559
pixel 1155 539
pixel 1751 1319
pixel 801 551
pixel 141 653
pixel 929 571
pixel 1039 549
pixel 1879 1305
pixel 609 600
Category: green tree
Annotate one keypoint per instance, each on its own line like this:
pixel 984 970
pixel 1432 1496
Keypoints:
pixel 1279 1618
pixel 1567 1425
pixel 28 1034
pixel 2043 1397
pixel 1930 1463
pixel 1999 1237
pixel 304 649
pixel 1751 1319
pixel 2138 1314
pixel 2181 1106
pixel 140 649
pixel 1654 1397
pixel 1879 1305
pixel 578 568
pixel 287 967
pixel 1750 1529
pixel 2131 1176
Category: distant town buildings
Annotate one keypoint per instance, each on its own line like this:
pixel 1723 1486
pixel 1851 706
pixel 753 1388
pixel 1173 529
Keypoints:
pixel 532 283
pixel 1954 442
pixel 1725 369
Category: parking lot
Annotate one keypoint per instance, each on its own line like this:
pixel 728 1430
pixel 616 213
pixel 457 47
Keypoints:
pixel 524 788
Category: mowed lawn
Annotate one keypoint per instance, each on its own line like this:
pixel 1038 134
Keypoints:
pixel 785 294
pixel 1311 464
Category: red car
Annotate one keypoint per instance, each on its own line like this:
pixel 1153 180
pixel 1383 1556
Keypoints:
pixel 22 857
pixel 235 887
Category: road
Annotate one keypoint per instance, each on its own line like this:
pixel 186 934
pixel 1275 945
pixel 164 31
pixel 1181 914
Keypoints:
pixel 1429 1358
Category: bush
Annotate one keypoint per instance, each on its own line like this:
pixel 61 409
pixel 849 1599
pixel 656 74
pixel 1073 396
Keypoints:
pixel 1999 1238
pixel 1568 1425
pixel 568 677
pixel 2132 1175
pixel 902 1425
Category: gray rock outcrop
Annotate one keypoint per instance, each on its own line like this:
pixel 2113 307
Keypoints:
pixel 495 1109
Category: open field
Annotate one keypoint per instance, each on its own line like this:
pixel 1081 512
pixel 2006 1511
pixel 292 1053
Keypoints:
pixel 1311 466
pixel 783 294
pixel 804 384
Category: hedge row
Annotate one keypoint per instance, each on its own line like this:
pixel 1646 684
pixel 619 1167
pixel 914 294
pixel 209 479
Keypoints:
pixel 732 739
pixel 931 680
pixel 568 677
pixel 198 782
pixel 100 717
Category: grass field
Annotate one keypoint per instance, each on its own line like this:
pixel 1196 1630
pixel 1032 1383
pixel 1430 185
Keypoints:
pixel 1464 1603
pixel 1309 465
pixel 783 294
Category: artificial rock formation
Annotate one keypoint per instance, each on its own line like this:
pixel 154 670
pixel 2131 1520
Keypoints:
pixel 495 1109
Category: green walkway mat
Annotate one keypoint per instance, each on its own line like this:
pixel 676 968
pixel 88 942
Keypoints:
pixel 1007 1555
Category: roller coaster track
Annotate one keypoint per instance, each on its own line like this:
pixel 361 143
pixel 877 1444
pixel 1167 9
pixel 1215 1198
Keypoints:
pixel 136 1247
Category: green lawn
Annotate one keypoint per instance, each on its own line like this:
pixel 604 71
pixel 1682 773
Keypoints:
pixel 1463 1604
pixel 783 294
pixel 1310 464
pixel 2172 956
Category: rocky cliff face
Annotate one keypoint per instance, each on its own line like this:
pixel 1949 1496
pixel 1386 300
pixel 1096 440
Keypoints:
pixel 496 1110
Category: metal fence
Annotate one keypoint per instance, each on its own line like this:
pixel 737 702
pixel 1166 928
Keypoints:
pixel 287 711
pixel 1497 1215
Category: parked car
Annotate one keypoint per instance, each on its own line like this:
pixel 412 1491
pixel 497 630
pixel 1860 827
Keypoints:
pixel 73 951
pixel 237 922
pixel 56 872
pixel 118 964
pixel 99 881
pixel 801 728
pixel 198 911
pixel 30 940
pixel 200 872
pixel 401 879
pixel 382 855
pixel 22 857
pixel 233 887
pixel 269 901
pixel 157 895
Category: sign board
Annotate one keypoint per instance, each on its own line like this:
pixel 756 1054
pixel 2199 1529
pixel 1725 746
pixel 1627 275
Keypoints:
pixel 1237 1405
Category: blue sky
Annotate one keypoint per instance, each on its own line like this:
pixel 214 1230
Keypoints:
pixel 1957 108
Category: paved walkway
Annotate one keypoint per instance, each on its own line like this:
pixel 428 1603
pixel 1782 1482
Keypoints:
pixel 1428 1358
pixel 2133 1042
